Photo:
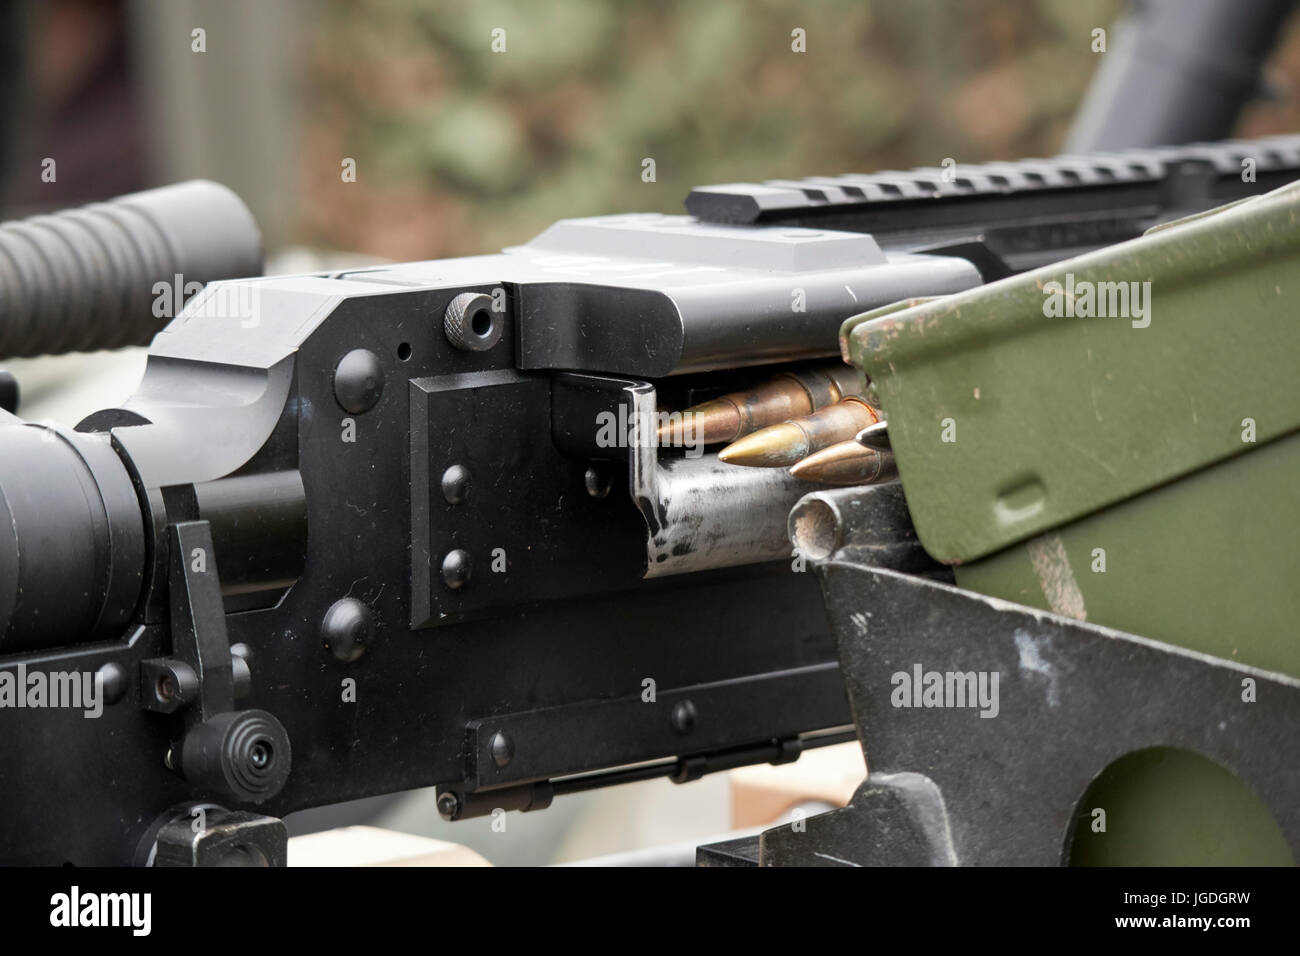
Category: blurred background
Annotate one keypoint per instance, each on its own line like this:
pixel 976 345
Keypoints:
pixel 460 148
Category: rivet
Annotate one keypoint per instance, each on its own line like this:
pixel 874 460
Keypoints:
pixel 683 717
pixel 456 569
pixel 348 628
pixel 358 381
pixel 455 484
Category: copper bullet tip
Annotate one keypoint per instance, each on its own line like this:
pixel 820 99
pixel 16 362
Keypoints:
pixel 846 463
pixel 777 446
pixel 783 445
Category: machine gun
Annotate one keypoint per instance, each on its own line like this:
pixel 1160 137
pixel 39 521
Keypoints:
pixel 367 531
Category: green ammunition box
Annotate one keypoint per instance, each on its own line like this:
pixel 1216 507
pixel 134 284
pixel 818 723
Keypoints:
pixel 1116 438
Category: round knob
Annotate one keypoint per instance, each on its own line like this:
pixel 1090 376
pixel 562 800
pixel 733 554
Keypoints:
pixel 243 755
pixel 471 323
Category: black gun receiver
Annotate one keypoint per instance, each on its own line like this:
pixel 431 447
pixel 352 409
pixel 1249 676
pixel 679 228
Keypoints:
pixel 373 530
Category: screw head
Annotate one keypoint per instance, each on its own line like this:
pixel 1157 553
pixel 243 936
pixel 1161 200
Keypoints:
pixel 456 569
pixel 260 755
pixel 358 381
pixel 448 805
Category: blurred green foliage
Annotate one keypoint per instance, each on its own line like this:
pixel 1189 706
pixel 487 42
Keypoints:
pixel 460 149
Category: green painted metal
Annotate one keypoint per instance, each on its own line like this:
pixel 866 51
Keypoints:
pixel 1007 421
pixel 1167 807
pixel 1210 563
pixel 1137 471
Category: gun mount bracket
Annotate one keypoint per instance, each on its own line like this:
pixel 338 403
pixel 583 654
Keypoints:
pixel 1010 791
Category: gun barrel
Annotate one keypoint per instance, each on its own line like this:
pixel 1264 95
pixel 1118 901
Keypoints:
pixel 87 278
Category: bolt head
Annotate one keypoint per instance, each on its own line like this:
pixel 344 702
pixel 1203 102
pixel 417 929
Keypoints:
pixel 448 805
pixel 503 749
